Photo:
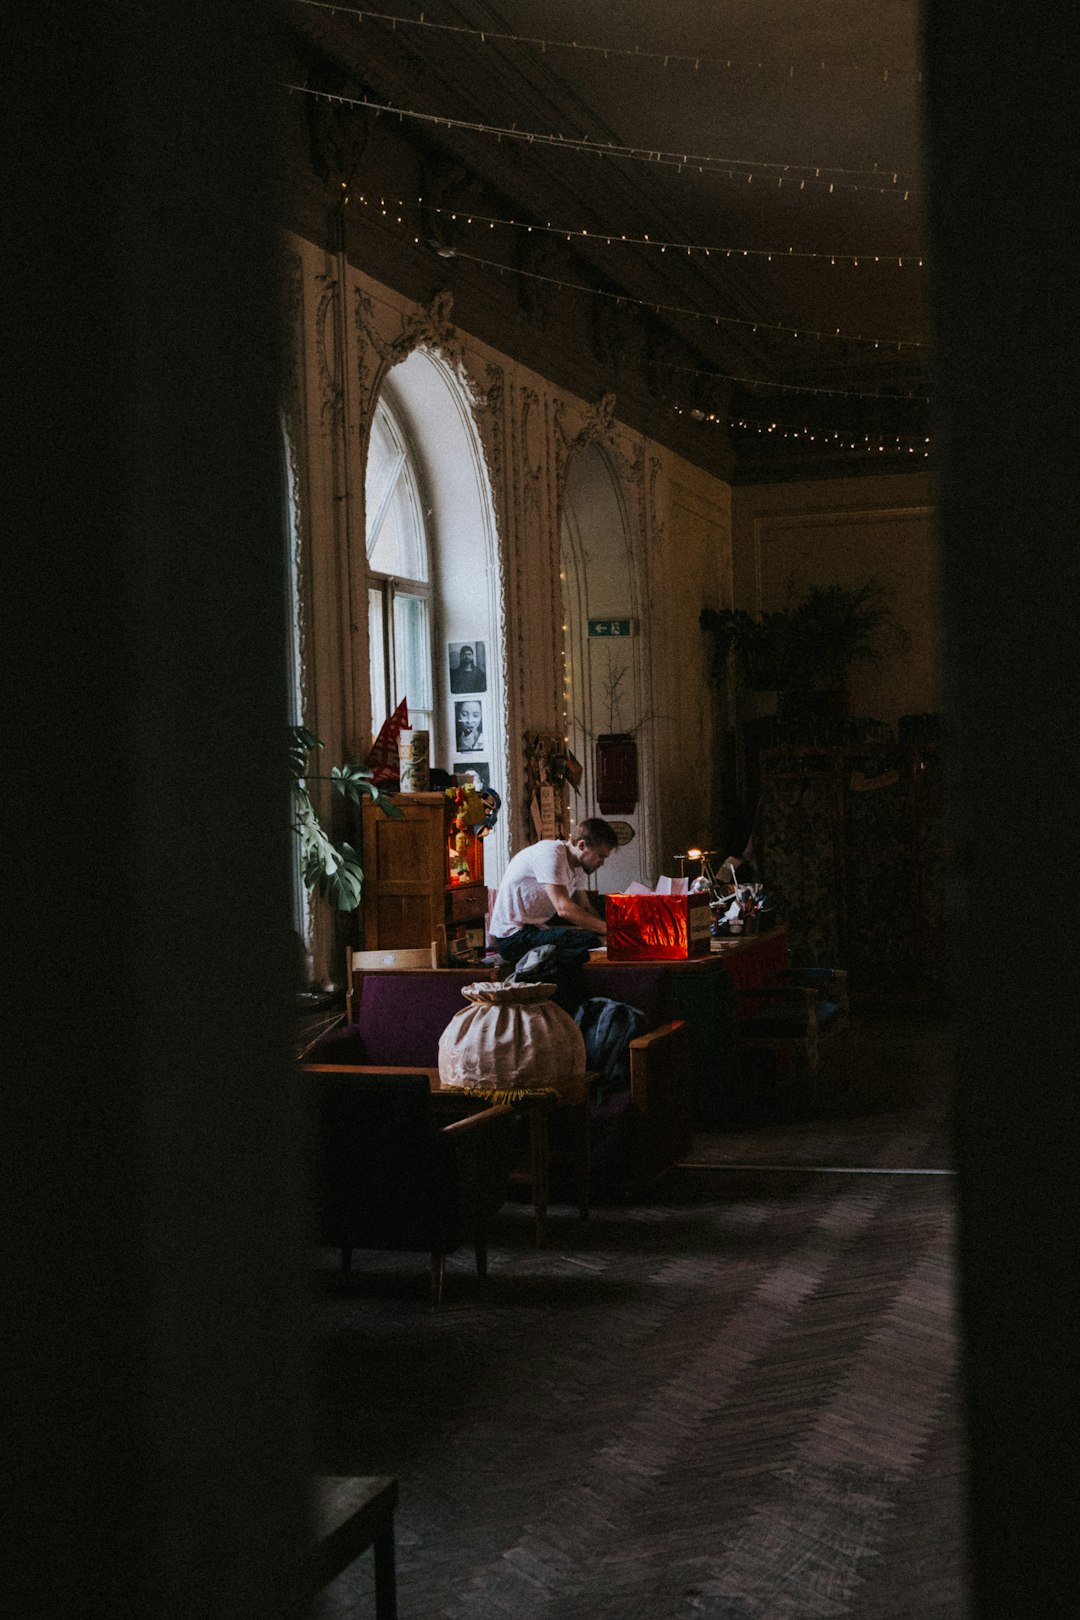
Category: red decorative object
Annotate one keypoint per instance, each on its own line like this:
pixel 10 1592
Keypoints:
pixel 657 927
pixel 383 758
pixel 464 857
pixel 616 773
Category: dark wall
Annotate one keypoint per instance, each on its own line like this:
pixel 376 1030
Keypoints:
pixel 150 1175
pixel 1003 140
pixel 151 1184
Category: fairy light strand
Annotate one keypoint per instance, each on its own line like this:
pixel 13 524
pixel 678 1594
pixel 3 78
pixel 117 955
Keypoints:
pixel 807 333
pixel 881 443
pixel 741 169
pixel 613 238
pixel 387 209
pixel 697 60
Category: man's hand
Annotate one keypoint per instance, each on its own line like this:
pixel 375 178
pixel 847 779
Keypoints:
pixel 568 911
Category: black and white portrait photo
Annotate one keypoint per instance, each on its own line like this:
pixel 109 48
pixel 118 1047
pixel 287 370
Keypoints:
pixel 478 770
pixel 469 726
pixel 468 667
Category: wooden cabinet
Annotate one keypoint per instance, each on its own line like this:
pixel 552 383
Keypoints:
pixel 411 893
pixel 852 856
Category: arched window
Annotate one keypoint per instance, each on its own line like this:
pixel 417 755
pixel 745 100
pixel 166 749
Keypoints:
pixel 434 583
pixel 399 576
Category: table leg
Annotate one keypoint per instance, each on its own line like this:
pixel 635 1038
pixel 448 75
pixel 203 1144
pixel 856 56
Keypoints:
pixel 385 1576
pixel 540 1162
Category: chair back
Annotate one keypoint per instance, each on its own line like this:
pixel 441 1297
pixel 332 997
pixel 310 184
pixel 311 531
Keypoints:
pixel 389 960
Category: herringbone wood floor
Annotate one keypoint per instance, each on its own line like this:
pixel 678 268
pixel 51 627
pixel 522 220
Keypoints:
pixel 736 1400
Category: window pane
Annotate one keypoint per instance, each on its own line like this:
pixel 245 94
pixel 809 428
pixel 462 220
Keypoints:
pixel 380 707
pixel 412 655
pixel 395 538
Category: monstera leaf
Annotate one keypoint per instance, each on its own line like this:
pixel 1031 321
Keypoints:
pixel 327 868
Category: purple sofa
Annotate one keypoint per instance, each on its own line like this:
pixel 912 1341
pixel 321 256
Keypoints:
pixel 636 1135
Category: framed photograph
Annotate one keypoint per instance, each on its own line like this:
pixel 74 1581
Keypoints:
pixel 469 726
pixel 478 769
pixel 468 666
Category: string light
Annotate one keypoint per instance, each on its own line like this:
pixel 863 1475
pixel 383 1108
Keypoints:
pixel 717 320
pixel 696 314
pixel 683 58
pixel 882 443
pixel 836 335
pixel 727 168
pixel 615 238
pixel 701 315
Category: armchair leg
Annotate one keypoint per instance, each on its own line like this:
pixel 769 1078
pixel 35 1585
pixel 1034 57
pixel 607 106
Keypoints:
pixel 438 1266
pixel 580 1128
pixel 480 1246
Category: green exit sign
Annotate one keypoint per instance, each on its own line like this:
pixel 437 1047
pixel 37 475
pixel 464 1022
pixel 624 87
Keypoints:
pixel 611 628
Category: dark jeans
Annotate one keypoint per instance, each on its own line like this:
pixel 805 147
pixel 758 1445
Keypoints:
pixel 512 947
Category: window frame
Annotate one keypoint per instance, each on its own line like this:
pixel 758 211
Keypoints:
pixel 405 474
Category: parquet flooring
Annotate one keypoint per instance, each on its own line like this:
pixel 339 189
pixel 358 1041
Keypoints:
pixel 736 1400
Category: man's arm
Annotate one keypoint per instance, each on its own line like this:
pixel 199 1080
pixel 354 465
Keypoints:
pixel 569 912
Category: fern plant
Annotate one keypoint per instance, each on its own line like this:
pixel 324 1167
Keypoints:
pixel 329 868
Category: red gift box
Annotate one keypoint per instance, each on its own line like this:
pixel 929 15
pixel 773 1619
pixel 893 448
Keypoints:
pixel 657 927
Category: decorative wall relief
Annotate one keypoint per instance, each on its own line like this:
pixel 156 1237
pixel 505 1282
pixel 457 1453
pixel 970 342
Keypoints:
pixel 596 425
pixel 329 362
pixel 429 328
pixel 532 445
pixel 337 134
pixel 610 331
pixel 654 522
pixel 296 428
pixel 370 368
pixel 540 260
pixel 665 354
pixel 448 188
pixel 487 402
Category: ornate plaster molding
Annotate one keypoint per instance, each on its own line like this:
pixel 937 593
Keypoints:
pixel 295 415
pixel 431 327
pixel 654 522
pixel 330 379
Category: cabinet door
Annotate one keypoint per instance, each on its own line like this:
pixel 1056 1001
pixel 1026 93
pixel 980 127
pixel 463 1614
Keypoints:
pixel 802 851
pixel 882 954
pixel 404 873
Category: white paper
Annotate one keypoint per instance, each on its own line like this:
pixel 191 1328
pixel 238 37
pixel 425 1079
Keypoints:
pixel 673 885
pixel 634 887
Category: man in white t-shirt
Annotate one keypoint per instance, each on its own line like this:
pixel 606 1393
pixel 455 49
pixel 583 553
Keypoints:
pixel 535 904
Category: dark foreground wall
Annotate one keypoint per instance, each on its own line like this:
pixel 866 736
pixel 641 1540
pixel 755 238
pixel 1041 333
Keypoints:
pixel 150 1162
pixel 1004 145
pixel 151 1288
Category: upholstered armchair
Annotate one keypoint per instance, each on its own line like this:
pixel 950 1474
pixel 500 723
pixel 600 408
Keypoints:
pixel 388 1176
pixel 637 1134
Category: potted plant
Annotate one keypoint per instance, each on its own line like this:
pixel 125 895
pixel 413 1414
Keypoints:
pixel 332 869
pixel 759 646
pixel 834 628
pixel 807 651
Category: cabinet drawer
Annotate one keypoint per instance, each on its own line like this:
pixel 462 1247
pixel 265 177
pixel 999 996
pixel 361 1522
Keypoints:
pixel 470 900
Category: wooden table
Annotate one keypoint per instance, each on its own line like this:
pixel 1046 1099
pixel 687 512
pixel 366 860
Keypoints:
pixel 752 960
pixel 702 991
pixel 350 1514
